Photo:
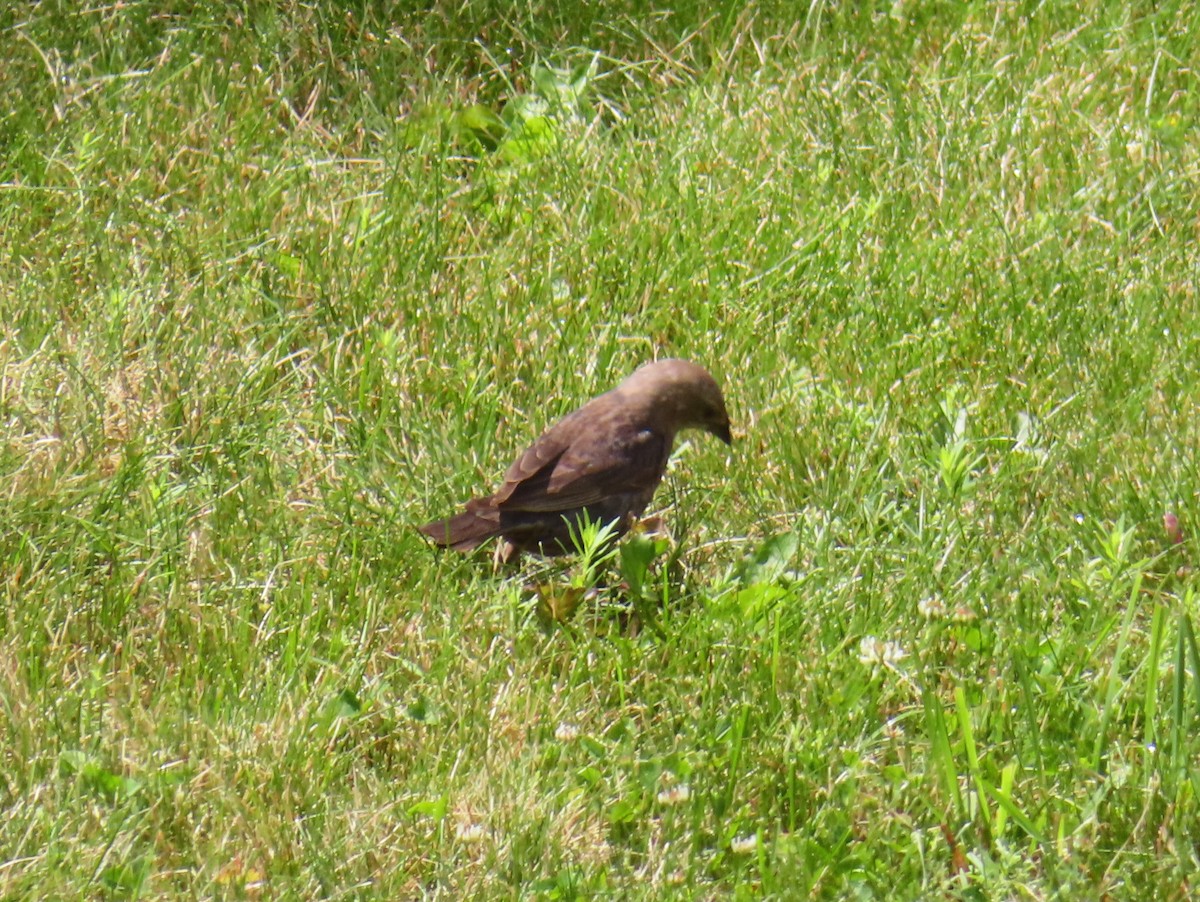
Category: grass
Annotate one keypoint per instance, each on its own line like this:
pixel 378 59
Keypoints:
pixel 278 282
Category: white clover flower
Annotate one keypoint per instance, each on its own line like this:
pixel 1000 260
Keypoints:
pixel 470 833
pixel 870 651
pixel 744 845
pixel 964 614
pixel 674 795
pixel 566 732
pixel 931 608
pixel 874 652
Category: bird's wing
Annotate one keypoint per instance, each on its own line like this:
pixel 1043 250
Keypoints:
pixel 532 470
pixel 584 460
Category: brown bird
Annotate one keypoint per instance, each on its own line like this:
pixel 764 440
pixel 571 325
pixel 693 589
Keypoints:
pixel 602 462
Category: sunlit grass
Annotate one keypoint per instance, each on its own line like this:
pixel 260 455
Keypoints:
pixel 277 285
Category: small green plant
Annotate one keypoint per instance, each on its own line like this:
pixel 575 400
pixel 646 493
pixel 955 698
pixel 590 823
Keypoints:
pixel 760 579
pixel 957 461
pixel 595 543
pixel 531 123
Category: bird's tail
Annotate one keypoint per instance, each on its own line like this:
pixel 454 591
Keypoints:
pixel 464 531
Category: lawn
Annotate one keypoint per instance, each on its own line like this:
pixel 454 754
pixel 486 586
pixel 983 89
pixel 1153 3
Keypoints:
pixel 280 282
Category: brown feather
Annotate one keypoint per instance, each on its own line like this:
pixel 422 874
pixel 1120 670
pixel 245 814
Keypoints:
pixel 470 529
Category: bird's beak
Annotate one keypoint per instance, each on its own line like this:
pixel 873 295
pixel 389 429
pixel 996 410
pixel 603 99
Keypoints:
pixel 722 432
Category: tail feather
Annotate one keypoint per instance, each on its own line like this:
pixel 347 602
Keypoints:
pixel 464 531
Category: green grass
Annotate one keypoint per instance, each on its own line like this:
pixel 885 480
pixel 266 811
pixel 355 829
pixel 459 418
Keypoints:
pixel 274 288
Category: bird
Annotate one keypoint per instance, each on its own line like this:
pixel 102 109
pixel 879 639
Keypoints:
pixel 600 463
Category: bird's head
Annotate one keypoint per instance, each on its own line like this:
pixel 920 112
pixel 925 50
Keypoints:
pixel 682 394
